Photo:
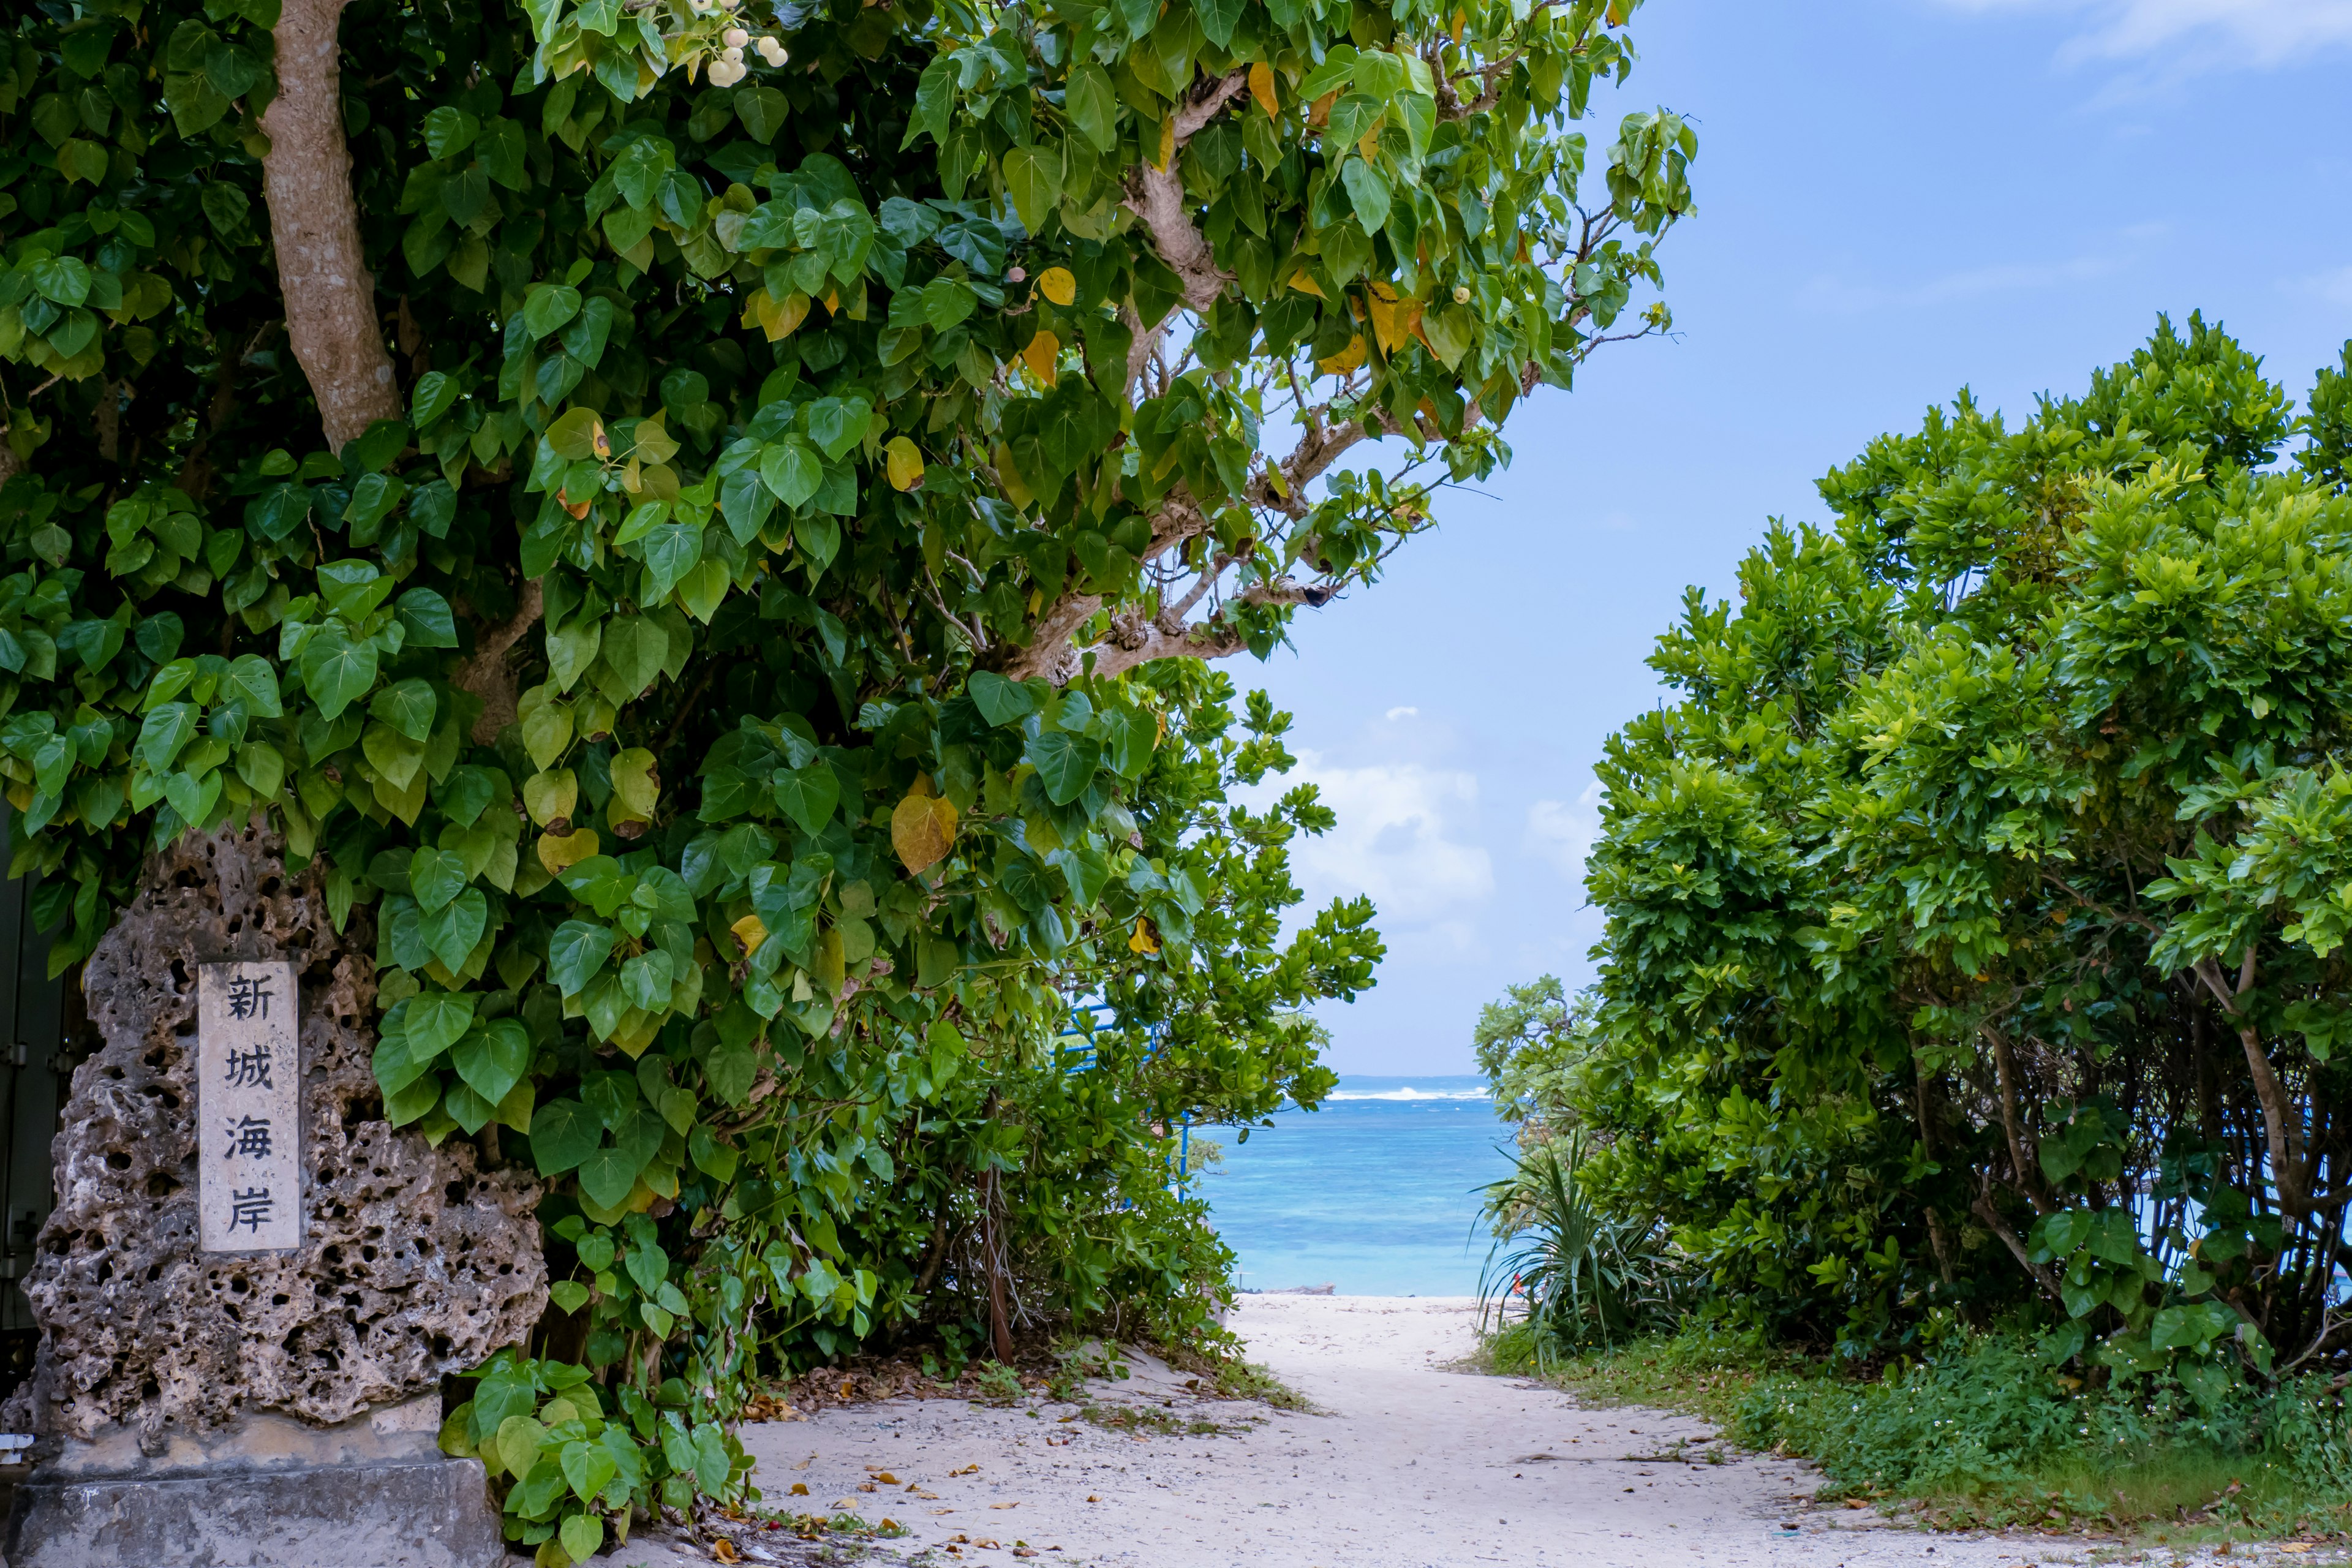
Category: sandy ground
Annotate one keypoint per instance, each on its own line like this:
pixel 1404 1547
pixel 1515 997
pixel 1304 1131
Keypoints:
pixel 1406 1464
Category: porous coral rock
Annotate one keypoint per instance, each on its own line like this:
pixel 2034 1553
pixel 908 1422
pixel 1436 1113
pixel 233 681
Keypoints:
pixel 416 1262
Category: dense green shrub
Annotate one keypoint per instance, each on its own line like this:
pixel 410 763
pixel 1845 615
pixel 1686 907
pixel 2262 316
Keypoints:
pixel 1980 1429
pixel 1975 918
pixel 697 523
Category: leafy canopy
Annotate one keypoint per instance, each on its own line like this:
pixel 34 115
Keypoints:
pixel 739 690
pixel 1976 933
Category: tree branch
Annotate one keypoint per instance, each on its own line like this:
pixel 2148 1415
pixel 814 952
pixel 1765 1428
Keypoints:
pixel 1136 641
pixel 1157 196
pixel 306 176
pixel 2005 1068
pixel 1991 1216
pixel 2282 1122
pixel 487 674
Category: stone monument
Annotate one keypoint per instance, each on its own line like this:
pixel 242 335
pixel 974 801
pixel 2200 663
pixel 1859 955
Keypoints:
pixel 252 1285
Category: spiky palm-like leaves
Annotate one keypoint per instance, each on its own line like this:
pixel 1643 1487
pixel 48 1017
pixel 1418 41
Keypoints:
pixel 1583 1276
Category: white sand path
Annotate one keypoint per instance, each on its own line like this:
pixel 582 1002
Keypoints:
pixel 1407 1465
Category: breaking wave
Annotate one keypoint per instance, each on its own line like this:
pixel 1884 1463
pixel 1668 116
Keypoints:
pixel 1410 1093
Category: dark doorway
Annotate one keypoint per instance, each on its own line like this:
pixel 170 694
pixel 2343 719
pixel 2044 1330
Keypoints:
pixel 34 1070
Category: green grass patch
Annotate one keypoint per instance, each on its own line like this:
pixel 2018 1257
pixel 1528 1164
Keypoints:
pixel 1981 1433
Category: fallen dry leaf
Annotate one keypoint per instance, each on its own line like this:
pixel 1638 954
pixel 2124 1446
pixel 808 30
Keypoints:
pixel 724 1550
pixel 886 1478
pixel 967 1471
pixel 800 1489
pixel 866 1486
pixel 943 1510
pixel 1001 1506
pixel 989 1544
pixel 1091 1498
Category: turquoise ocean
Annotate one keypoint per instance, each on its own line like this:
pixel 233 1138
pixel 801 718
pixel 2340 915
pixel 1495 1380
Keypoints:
pixel 1375 1193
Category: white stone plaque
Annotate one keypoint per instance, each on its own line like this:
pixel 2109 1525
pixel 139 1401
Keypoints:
pixel 248 1106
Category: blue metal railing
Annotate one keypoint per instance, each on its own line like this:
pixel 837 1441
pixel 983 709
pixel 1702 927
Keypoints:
pixel 1081 1058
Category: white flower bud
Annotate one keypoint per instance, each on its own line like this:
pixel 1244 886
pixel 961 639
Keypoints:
pixel 1461 294
pixel 701 8
pixel 726 72
pixel 735 37
pixel 732 56
pixel 772 50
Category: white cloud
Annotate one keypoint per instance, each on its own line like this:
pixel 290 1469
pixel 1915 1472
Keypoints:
pixel 1401 839
pixel 1396 714
pixel 2335 287
pixel 1563 833
pixel 1836 295
pixel 2249 32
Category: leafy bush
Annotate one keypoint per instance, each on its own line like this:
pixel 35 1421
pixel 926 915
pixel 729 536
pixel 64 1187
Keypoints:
pixel 1972 939
pixel 705 550
pixel 1979 1429
pixel 1582 1275
pixel 564 1463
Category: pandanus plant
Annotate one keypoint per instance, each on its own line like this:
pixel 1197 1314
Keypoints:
pixel 1583 1276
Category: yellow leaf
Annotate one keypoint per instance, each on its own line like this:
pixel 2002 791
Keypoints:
pixel 751 931
pixel 832 962
pixel 1057 285
pixel 635 784
pixel 922 830
pixel 636 1031
pixel 1036 597
pixel 556 853
pixel 1009 477
pixel 1146 938
pixel 1320 115
pixel 776 317
pixel 1385 326
pixel 550 795
pixel 1303 282
pixel 1043 356
pixel 1167 143
pixel 1368 145
pixel 1346 360
pixel 654 442
pixel 1262 88
pixel 905 463
pixel 1461 20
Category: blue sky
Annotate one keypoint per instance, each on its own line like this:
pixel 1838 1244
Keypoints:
pixel 1897 198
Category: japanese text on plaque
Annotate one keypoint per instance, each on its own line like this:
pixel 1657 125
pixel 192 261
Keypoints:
pixel 248 1105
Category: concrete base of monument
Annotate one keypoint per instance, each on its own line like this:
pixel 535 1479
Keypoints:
pixel 269 1493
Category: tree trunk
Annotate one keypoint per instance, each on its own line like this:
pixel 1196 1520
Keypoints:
pixel 1000 1325
pixel 330 315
